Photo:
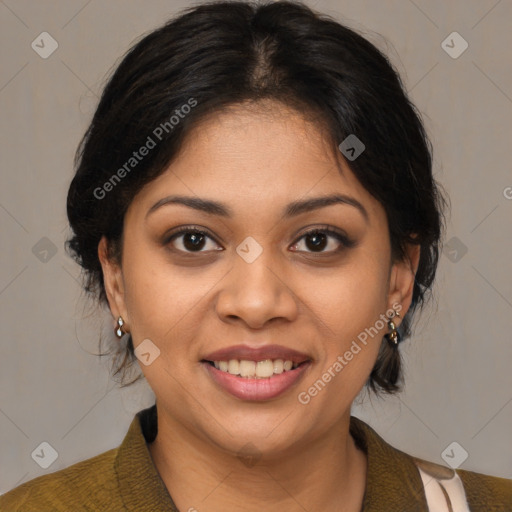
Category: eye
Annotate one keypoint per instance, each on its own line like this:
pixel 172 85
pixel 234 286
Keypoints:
pixel 190 239
pixel 316 240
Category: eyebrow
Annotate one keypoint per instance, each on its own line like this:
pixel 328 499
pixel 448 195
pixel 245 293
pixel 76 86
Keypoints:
pixel 291 210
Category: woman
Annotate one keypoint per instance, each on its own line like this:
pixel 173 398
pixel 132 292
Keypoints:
pixel 254 201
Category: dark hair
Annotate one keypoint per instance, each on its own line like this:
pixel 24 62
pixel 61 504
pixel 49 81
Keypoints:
pixel 224 53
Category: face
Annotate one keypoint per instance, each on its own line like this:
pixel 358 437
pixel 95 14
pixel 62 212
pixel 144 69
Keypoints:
pixel 266 276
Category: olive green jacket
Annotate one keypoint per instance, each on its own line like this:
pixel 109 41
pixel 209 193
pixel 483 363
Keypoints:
pixel 125 479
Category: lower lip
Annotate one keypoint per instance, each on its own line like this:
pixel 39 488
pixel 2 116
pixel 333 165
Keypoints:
pixel 256 389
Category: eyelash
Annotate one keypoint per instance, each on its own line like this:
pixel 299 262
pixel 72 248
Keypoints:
pixel 340 237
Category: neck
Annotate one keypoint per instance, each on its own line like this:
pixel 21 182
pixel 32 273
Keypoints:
pixel 327 474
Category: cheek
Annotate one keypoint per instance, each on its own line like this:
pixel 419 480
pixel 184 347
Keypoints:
pixel 162 299
pixel 352 297
pixel 352 308
pixel 148 292
pixel 351 303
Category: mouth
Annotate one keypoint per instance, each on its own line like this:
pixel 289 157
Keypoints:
pixel 248 369
pixel 260 373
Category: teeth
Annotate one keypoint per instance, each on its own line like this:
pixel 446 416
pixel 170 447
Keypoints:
pixel 278 366
pixel 264 368
pixel 233 366
pixel 247 368
pixel 252 369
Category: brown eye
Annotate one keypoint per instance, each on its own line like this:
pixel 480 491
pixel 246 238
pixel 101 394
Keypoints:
pixel 317 240
pixel 191 240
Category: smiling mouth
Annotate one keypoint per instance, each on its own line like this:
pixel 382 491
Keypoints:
pixel 263 369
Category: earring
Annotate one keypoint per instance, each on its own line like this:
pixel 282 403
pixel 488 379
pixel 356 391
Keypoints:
pixel 119 331
pixel 393 336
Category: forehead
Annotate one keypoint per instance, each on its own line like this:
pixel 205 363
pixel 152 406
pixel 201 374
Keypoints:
pixel 257 155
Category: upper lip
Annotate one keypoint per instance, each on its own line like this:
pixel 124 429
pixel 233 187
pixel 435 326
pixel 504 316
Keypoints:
pixel 257 354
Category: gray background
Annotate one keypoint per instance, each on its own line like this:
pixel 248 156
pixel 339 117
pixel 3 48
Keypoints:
pixel 457 363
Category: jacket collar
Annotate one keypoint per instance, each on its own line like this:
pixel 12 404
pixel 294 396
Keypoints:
pixel 392 479
pixel 140 483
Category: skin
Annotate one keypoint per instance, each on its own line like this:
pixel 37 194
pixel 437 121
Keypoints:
pixel 256 160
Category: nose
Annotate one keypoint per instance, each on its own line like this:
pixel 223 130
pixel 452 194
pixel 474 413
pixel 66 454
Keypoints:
pixel 256 293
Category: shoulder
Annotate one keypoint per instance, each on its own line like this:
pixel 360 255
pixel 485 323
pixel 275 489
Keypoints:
pixel 492 493
pixel 120 479
pixel 482 492
pixel 411 483
pixel 89 484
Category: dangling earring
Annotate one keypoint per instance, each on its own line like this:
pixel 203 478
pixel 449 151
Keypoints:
pixel 119 331
pixel 393 336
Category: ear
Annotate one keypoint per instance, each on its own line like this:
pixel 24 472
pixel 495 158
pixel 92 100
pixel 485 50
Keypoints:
pixel 114 284
pixel 401 282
